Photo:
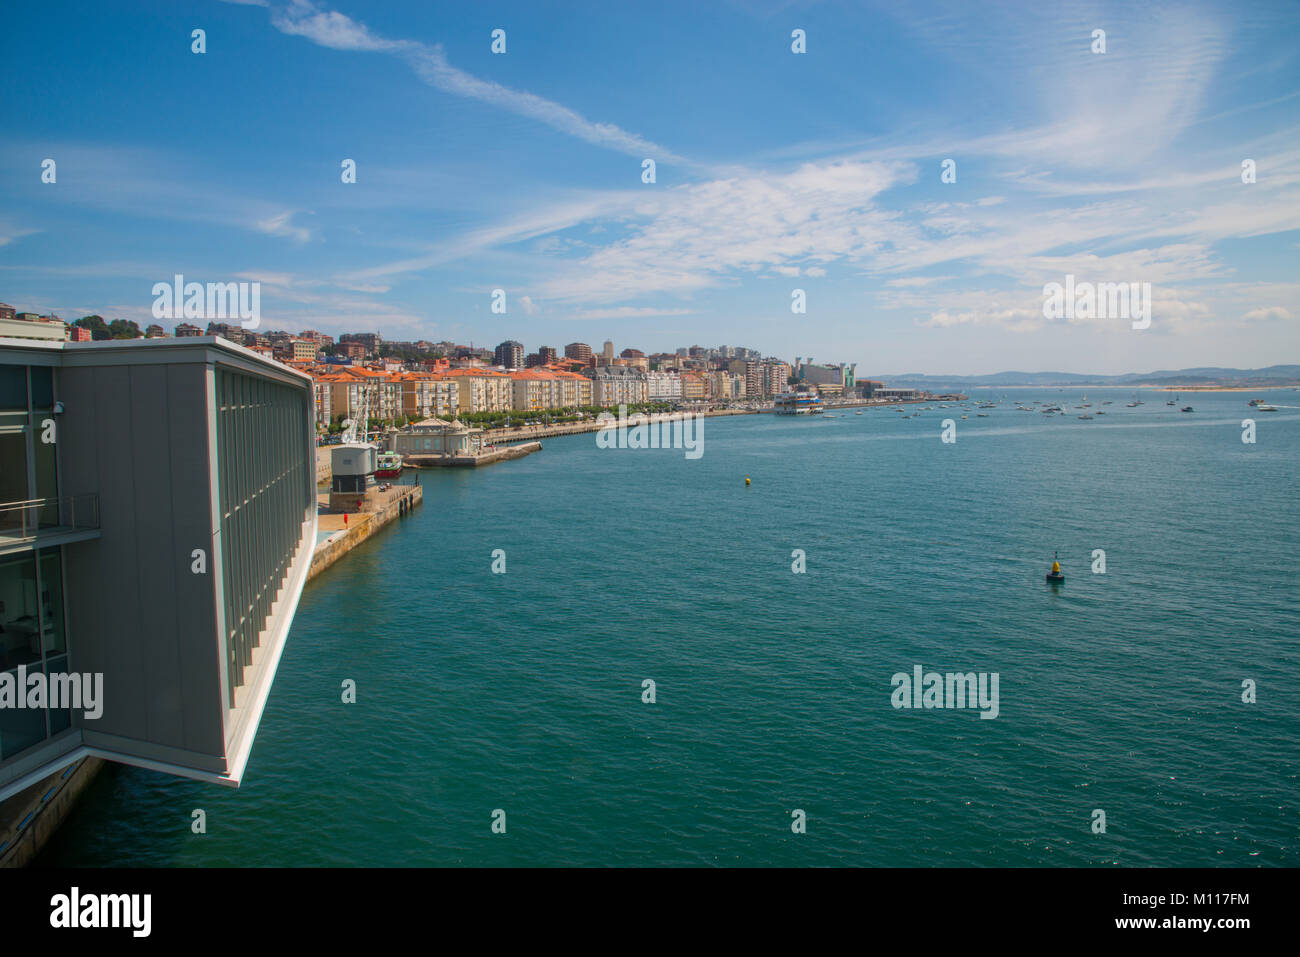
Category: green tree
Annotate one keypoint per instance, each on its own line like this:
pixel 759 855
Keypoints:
pixel 98 328
pixel 124 329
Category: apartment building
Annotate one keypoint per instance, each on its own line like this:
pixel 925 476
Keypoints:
pixel 578 350
pixel 481 390
pixel 533 390
pixel 618 385
pixel 509 355
pixel 28 325
pixel 426 395
pixel 663 387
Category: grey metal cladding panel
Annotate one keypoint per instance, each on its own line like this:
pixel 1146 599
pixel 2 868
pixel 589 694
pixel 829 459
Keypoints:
pixel 112 640
pixel 194 624
pixel 155 491
pixel 78 448
pixel 88 605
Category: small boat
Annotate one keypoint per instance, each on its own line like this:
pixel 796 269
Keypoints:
pixel 1171 402
pixel 1084 416
pixel 1187 408
pixel 859 412
pixel 1055 576
pixel 980 415
pixel 1254 401
pixel 1265 407
pixel 389 465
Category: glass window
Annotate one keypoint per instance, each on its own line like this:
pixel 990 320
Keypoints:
pixel 13 476
pixel 47 485
pixel 19 615
pixel 42 388
pixel 13 398
pixel 55 638
pixel 61 718
pixel 20 728
pixel 13 388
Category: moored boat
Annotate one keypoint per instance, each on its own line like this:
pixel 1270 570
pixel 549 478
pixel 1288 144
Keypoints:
pixel 389 465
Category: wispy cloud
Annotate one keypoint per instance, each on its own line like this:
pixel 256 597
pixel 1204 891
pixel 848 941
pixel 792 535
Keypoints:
pixel 627 312
pixel 281 224
pixel 339 32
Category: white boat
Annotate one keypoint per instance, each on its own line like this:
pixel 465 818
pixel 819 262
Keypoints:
pixel 797 402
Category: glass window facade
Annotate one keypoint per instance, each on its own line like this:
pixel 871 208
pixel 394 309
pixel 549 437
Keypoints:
pixel 32 635
pixel 266 478
pixel 28 465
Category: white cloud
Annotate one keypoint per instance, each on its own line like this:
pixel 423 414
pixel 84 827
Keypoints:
pixel 1267 313
pixel 339 32
pixel 281 225
pixel 711 233
pixel 627 312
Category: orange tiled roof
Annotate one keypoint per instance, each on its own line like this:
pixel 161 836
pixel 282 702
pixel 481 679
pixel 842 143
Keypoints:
pixel 485 373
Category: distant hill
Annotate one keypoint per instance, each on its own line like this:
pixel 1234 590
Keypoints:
pixel 1273 376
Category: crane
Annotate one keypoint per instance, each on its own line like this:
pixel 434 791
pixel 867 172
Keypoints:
pixel 350 435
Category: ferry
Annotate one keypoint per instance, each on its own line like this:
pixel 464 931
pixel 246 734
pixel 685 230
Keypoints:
pixel 797 402
pixel 389 465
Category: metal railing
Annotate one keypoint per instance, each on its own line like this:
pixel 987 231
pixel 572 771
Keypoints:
pixel 28 519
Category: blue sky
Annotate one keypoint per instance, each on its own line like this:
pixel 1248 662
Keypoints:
pixel 775 171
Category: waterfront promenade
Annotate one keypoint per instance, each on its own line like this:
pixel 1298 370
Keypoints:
pixel 592 425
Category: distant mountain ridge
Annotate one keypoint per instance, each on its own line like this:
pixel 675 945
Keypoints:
pixel 1272 376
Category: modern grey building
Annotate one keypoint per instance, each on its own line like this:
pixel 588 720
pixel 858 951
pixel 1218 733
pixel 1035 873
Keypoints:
pixel 157 520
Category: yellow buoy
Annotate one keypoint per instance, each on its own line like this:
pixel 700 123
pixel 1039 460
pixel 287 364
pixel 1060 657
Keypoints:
pixel 1056 568
pixel 746 479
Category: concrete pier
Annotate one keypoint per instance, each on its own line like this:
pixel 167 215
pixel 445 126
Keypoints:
pixel 376 512
pixel 486 457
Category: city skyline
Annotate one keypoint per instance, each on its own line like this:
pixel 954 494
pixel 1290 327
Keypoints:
pixel 820 171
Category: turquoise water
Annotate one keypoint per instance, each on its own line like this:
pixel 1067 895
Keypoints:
pixel 523 691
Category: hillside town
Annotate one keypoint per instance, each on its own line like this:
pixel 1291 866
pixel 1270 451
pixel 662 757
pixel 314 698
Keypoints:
pixel 398 383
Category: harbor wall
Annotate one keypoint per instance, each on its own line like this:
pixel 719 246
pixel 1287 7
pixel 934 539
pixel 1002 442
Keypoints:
pixel 29 819
pixel 576 428
pixel 362 525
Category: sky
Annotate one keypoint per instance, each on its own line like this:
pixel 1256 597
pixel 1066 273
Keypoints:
pixel 775 171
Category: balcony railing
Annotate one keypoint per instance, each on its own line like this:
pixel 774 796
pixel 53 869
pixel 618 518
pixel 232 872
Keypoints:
pixel 66 513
